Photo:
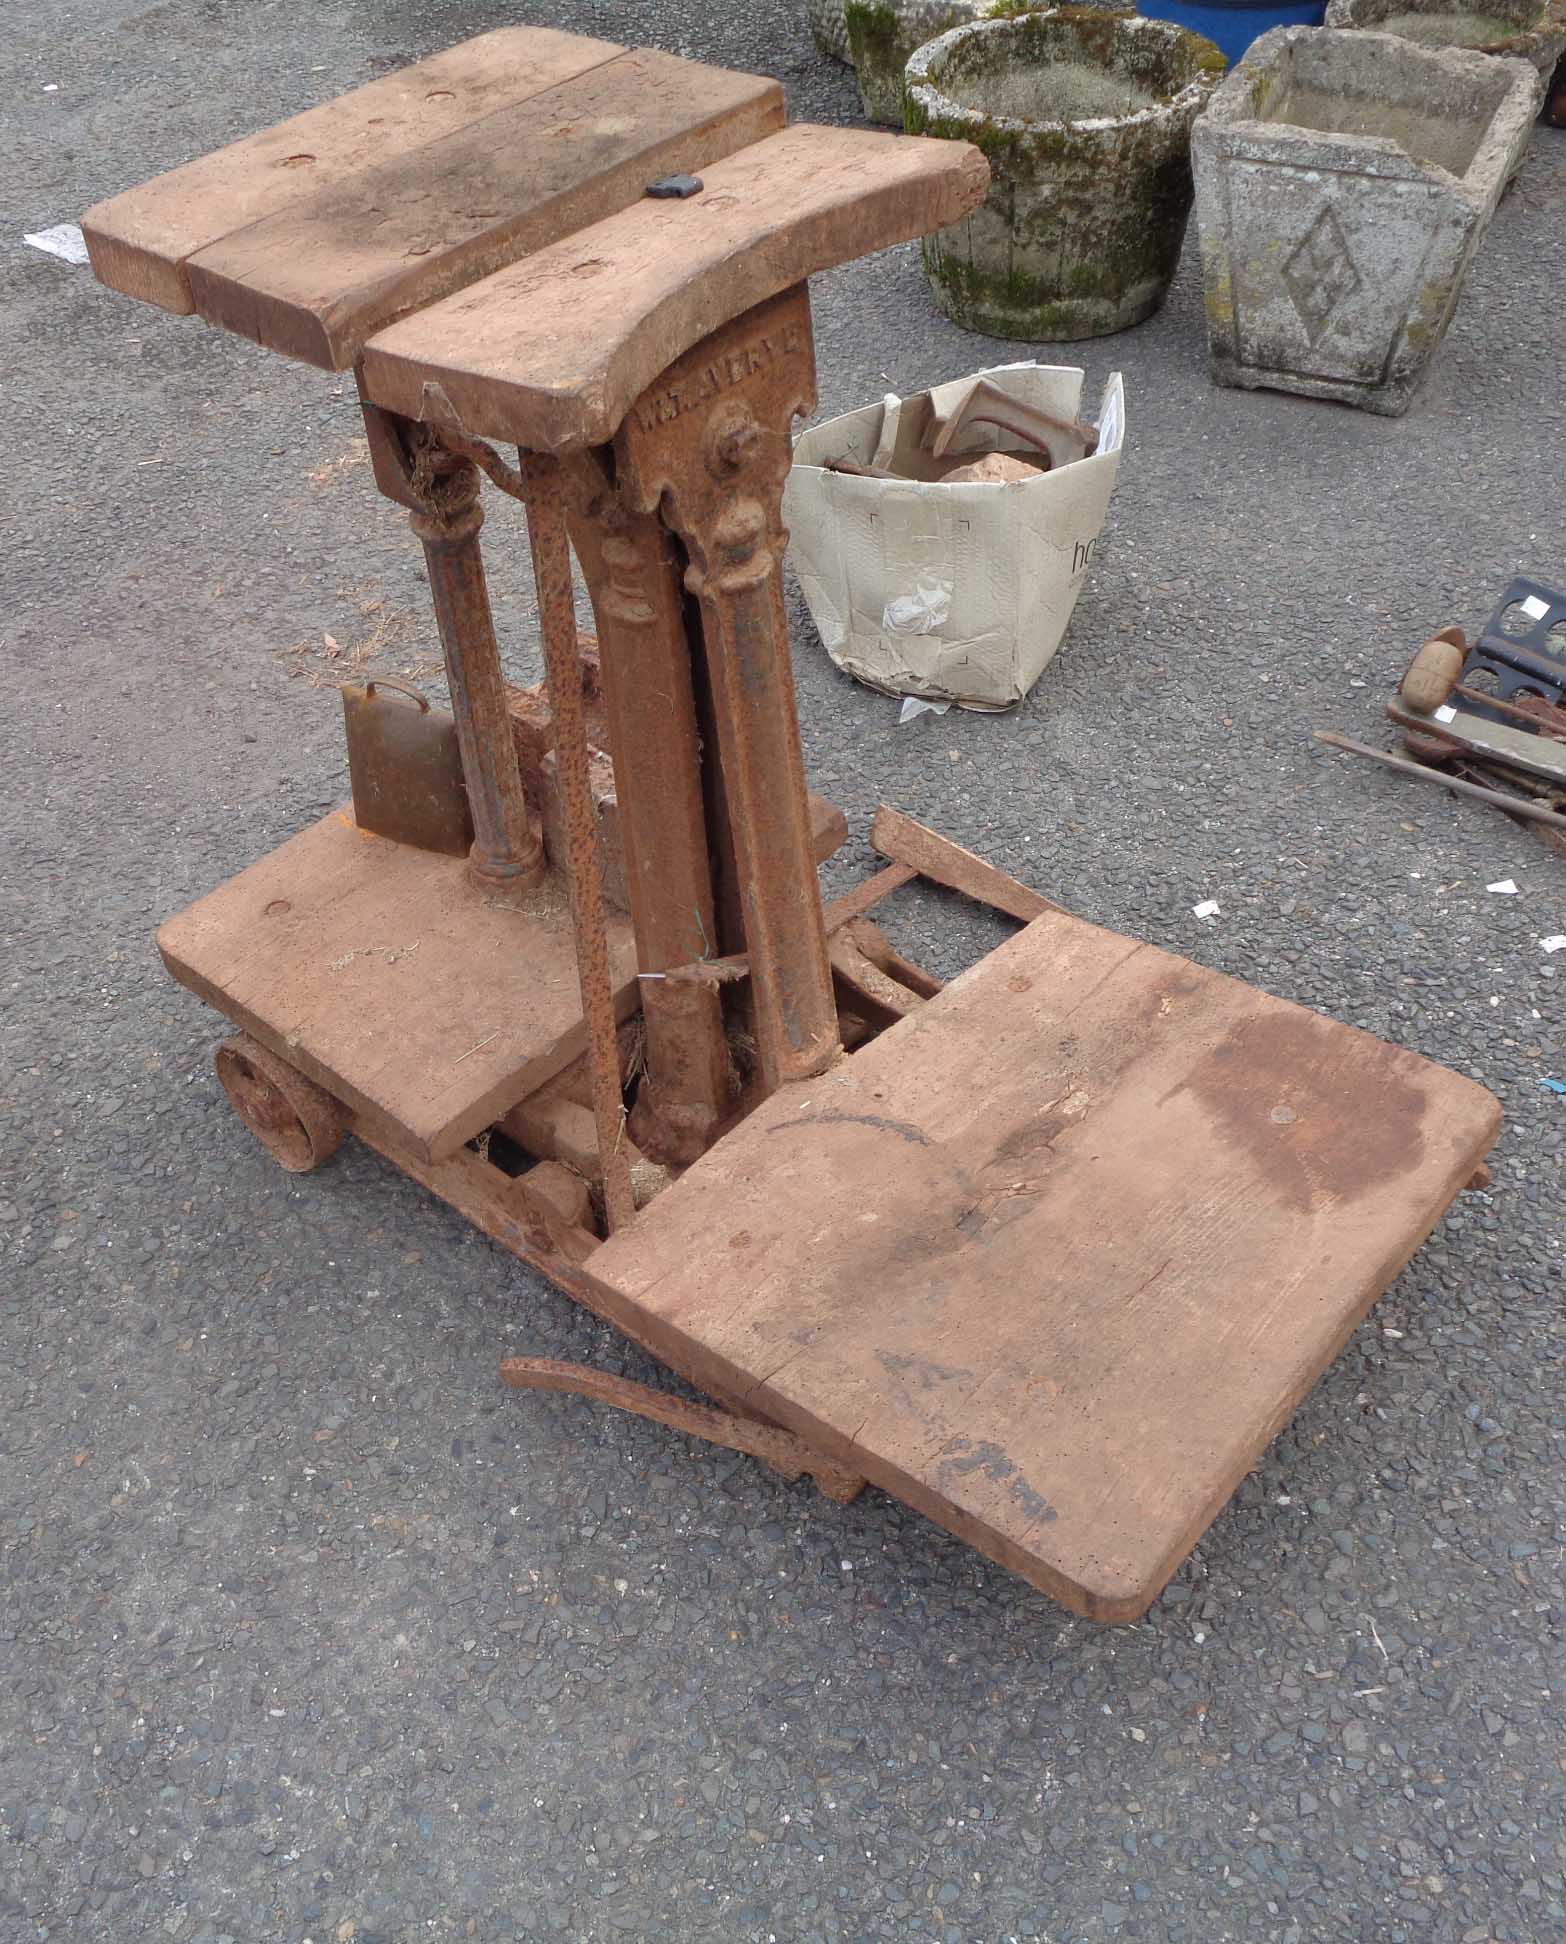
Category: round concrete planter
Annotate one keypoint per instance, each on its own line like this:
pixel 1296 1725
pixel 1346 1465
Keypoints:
pixel 1085 117
pixel 828 29
pixel 883 34
pixel 1523 30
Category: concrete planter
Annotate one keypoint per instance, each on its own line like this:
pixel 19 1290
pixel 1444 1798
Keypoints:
pixel 883 35
pixel 828 29
pixel 1522 30
pixel 1085 117
pixel 1342 184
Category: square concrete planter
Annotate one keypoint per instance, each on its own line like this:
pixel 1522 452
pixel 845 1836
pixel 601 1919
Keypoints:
pixel 1343 181
pixel 1524 30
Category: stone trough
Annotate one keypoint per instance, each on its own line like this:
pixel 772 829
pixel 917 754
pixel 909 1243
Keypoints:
pixel 1525 30
pixel 1343 182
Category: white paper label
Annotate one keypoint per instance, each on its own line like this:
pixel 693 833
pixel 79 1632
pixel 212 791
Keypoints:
pixel 1534 608
pixel 1446 713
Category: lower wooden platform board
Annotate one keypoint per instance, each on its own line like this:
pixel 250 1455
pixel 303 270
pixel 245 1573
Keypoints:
pixel 384 974
pixel 1056 1257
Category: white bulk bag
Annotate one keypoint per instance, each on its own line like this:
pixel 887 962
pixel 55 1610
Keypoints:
pixel 959 592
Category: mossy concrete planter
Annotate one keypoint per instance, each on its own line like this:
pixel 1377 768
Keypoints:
pixel 828 28
pixel 884 35
pixel 1085 117
pixel 1343 181
pixel 1522 30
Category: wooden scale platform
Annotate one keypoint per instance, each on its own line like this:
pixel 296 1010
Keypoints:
pixel 1050 1252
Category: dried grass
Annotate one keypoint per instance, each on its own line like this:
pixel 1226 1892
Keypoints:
pixel 330 471
pixel 382 648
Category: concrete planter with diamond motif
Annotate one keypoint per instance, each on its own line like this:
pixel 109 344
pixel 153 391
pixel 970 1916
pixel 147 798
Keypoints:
pixel 1343 181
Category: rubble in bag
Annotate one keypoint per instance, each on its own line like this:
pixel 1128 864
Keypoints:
pixel 942 540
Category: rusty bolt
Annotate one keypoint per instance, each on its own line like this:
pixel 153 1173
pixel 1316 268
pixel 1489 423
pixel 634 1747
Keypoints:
pixel 734 444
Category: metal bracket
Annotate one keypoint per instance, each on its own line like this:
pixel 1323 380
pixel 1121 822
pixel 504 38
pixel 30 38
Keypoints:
pixel 781 1449
pixel 1522 647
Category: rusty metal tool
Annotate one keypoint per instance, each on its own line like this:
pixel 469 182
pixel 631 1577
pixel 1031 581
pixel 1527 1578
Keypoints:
pixel 1533 694
pixel 1515 805
pixel 1528 790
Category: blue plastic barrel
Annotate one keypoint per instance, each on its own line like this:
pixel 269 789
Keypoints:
pixel 1231 25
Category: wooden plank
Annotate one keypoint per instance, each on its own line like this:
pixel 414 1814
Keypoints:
pixel 1501 741
pixel 866 981
pixel 828 826
pixel 880 950
pixel 549 1124
pixel 936 857
pixel 853 904
pixel 1055 1257
pixel 552 352
pixel 140 241
pixel 388 978
pixel 319 277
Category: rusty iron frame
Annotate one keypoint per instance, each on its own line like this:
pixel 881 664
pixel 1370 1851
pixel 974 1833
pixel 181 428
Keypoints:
pixel 546 529
pixel 708 447
pixel 688 500
pixel 633 574
pixel 780 1449
pixel 508 852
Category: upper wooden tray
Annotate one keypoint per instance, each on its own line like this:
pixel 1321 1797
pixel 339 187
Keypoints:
pixel 552 352
pixel 527 151
pixel 1058 1255
pixel 309 236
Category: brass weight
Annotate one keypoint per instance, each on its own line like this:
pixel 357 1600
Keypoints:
pixel 405 768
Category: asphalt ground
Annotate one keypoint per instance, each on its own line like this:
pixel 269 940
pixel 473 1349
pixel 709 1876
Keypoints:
pixel 310 1631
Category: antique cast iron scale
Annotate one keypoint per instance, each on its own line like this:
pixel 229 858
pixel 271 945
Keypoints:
pixel 1051 1252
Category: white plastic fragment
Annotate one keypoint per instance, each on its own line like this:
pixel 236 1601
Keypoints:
pixel 921 612
pixel 1208 908
pixel 64 240
pixel 1504 888
pixel 1556 942
pixel 915 706
pixel 1534 608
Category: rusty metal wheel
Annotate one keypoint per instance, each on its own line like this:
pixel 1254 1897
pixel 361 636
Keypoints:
pixel 1433 673
pixel 297 1122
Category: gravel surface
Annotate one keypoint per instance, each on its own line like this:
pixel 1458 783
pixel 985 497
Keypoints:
pixel 307 1629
